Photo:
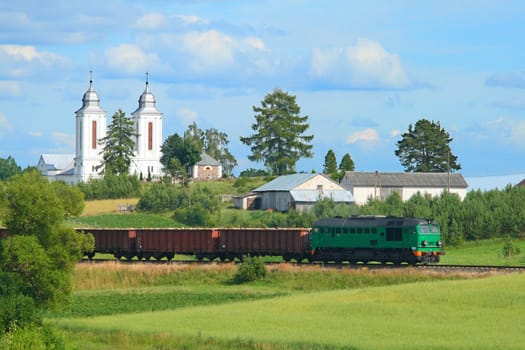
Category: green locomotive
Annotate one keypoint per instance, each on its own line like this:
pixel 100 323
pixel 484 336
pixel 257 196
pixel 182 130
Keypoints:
pixel 376 238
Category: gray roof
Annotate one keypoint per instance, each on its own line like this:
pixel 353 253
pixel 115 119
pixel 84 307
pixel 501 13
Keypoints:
pixel 57 161
pixel 285 182
pixel 207 160
pixel 353 179
pixel 314 195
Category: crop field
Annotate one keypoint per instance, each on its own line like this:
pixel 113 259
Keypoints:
pixel 180 307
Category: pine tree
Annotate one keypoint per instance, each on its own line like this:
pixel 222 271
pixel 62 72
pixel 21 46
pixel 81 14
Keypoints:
pixel 330 163
pixel 425 148
pixel 347 164
pixel 119 145
pixel 278 138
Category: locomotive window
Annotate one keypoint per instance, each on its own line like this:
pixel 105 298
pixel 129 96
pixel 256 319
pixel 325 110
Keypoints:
pixel 359 230
pixel 434 228
pixel 366 230
pixel 374 229
pixel 394 234
pixel 345 230
pixel 352 230
pixel 424 229
pixel 338 230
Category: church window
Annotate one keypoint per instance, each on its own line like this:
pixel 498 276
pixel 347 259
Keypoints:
pixel 94 134
pixel 150 136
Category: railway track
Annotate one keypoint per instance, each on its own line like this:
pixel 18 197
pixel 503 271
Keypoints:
pixel 430 267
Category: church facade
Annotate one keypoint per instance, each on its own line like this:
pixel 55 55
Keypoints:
pixel 90 129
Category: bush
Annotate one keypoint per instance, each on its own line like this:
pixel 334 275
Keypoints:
pixel 111 187
pixel 251 269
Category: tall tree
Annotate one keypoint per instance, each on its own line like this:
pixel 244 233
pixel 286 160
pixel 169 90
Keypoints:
pixel 330 163
pixel 347 164
pixel 38 256
pixel 279 140
pixel 119 145
pixel 215 144
pixel 8 168
pixel 425 147
pixel 179 154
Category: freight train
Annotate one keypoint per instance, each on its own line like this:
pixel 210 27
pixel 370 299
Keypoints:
pixel 356 239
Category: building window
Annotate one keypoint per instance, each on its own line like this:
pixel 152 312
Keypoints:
pixel 150 136
pixel 94 134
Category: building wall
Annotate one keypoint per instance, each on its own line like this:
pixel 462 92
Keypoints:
pixel 207 172
pixel 361 194
pixel 277 200
pixel 319 180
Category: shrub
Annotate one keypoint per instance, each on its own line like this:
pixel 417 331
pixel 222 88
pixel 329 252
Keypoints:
pixel 251 269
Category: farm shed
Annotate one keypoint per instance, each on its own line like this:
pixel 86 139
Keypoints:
pixel 364 185
pixel 299 192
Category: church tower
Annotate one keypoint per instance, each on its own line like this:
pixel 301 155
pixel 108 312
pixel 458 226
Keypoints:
pixel 148 126
pixel 90 128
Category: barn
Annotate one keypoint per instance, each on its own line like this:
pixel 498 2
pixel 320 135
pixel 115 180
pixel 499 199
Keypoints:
pixel 299 192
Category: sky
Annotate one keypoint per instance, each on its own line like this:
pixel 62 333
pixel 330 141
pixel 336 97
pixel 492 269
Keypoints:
pixel 362 71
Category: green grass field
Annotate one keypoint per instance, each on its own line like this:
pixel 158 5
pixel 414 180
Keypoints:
pixel 475 314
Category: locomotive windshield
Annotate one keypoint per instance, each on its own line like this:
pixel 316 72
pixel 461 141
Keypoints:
pixel 430 228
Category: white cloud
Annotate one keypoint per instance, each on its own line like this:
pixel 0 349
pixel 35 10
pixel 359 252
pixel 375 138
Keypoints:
pixel 186 115
pixel 151 21
pixel 192 19
pixel 365 65
pixel 130 59
pixel 4 123
pixel 23 60
pixel 36 133
pixel 211 49
pixel 368 135
pixel 394 133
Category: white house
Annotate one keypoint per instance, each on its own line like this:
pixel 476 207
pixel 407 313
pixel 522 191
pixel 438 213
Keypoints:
pixel 377 185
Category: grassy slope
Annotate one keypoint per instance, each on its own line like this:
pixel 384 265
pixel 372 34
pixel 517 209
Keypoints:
pixel 473 314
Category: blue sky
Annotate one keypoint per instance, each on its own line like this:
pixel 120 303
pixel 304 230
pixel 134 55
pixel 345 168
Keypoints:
pixel 361 71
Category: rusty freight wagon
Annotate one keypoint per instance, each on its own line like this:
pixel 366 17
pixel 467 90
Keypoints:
pixel 157 243
pixel 289 243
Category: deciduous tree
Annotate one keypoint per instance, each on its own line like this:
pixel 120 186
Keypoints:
pixel 179 154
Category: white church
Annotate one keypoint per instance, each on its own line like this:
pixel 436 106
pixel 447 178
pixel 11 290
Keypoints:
pixel 91 127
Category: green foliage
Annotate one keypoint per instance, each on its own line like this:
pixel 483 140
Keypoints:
pixel 252 172
pixel 510 249
pixel 16 309
pixel 425 147
pixel 250 269
pixel 195 215
pixel 8 168
pixel 162 197
pixel 330 163
pixel 111 186
pixel 278 140
pixel 38 257
pixel 179 154
pixel 347 164
pixel 34 337
pixel 215 144
pixel 119 145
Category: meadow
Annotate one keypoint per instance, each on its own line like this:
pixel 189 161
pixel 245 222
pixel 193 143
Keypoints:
pixel 182 307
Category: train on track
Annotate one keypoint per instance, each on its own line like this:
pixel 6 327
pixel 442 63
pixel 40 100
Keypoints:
pixel 355 239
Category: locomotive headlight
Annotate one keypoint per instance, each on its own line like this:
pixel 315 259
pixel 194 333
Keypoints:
pixel 439 243
pixel 424 243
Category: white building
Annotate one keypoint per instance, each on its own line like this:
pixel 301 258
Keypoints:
pixel 91 124
pixel 377 185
